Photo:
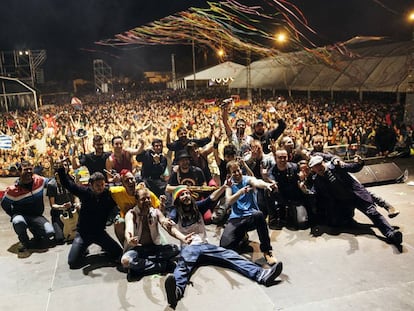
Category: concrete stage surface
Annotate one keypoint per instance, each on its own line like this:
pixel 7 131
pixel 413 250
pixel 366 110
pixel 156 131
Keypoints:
pixel 353 270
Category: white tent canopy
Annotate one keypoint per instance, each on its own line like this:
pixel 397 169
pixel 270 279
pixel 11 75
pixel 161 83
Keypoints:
pixel 226 70
pixel 366 66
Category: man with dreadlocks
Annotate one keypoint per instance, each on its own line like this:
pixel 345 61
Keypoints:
pixel 196 251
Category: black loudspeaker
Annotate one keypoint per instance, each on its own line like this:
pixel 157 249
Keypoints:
pixel 377 174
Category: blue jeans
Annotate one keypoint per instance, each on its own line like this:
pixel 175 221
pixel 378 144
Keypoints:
pixel 193 256
pixel 81 243
pixel 38 226
pixel 150 259
pixel 236 229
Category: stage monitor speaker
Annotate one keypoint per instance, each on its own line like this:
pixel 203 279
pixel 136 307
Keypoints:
pixel 377 174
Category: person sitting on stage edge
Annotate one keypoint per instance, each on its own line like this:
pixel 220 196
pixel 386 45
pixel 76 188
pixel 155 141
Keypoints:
pixel 144 253
pixel 196 251
pixel 245 214
pixel 338 194
pixel 23 202
pixel 96 205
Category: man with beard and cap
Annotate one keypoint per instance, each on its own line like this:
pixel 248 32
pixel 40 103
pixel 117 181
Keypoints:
pixel 182 141
pixel 125 198
pixel 266 136
pixel 23 202
pixel 318 143
pixel 338 193
pixel 144 253
pixel 196 251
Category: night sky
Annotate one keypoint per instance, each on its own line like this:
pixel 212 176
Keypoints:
pixel 67 29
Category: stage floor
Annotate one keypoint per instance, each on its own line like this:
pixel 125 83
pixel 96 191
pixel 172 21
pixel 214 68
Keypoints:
pixel 353 270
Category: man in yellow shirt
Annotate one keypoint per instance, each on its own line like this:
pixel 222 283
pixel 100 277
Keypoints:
pixel 124 196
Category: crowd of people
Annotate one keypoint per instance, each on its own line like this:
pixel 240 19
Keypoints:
pixel 164 160
pixel 45 134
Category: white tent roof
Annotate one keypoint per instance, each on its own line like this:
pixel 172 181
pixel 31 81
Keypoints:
pixel 380 67
pixel 223 70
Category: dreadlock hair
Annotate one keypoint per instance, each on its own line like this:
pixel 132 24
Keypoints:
pixel 188 217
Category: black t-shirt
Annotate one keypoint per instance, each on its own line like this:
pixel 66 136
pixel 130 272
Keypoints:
pixel 93 162
pixel 287 182
pixel 60 194
pixel 149 168
pixel 194 177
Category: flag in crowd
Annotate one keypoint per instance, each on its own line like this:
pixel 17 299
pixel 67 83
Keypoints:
pixel 76 103
pixel 209 101
pixel 5 142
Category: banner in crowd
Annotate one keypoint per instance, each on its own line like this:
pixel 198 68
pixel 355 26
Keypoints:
pixel 6 142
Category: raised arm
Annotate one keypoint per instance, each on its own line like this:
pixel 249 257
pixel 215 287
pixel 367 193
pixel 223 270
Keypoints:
pixel 225 117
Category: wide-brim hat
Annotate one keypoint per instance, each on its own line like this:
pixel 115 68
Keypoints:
pixel 182 154
pixel 258 121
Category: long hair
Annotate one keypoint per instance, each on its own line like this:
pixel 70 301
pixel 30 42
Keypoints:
pixel 190 217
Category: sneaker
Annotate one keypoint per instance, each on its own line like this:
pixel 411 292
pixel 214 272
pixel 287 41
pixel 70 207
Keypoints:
pixel 396 238
pixel 270 259
pixel 171 290
pixel 392 212
pixel 121 268
pixel 133 276
pixel 268 276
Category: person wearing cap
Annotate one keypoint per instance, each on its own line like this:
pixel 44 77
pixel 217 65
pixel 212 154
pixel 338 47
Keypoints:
pixel 317 143
pixel 265 136
pixel 245 215
pixel 338 193
pixel 196 251
pixel 186 174
pixel 24 203
pixel 144 253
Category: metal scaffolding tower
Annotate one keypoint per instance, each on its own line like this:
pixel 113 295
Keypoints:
pixel 24 65
pixel 103 76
